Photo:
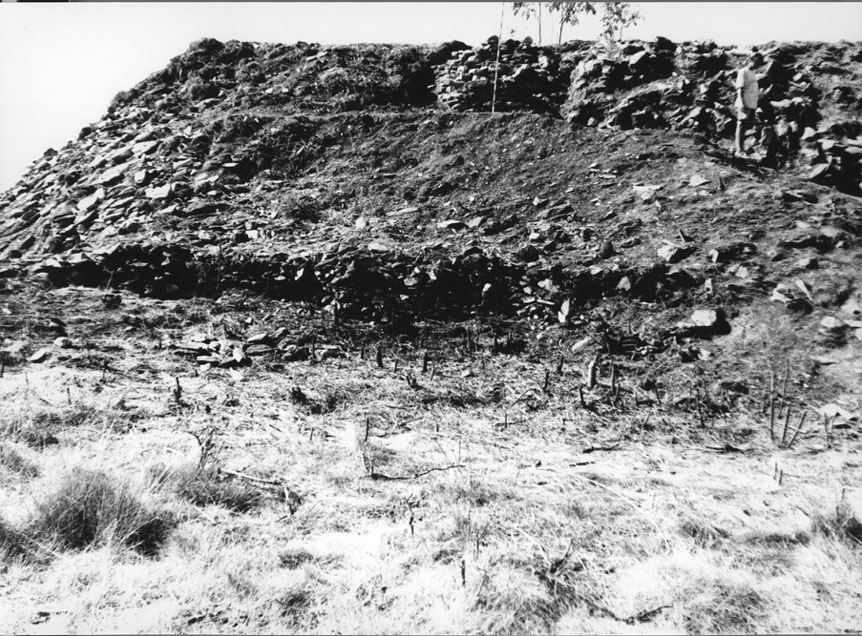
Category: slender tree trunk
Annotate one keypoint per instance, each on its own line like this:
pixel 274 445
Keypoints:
pixel 497 61
pixel 539 16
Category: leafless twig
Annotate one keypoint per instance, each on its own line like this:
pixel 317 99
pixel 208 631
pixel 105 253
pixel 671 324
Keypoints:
pixel 772 405
pixel 798 428
pixel 260 480
pixel 786 422
pixel 383 477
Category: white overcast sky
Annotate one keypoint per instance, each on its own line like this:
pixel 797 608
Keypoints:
pixel 61 64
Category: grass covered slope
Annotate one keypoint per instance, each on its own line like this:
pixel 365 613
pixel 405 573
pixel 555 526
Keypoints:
pixel 300 339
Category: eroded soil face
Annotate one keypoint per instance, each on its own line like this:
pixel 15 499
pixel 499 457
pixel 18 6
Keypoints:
pixel 300 339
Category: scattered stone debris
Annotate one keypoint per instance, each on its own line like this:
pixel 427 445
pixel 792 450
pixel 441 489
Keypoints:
pixel 190 185
pixel 40 356
pixel 832 332
pixel 675 253
pixel 705 322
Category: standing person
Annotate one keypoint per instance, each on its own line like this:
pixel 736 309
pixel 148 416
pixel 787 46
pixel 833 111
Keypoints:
pixel 747 94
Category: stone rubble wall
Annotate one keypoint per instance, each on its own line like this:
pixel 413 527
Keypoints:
pixel 661 84
pixel 188 142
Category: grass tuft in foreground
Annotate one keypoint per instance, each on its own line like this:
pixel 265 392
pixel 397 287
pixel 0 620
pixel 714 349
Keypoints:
pixel 208 486
pixel 13 543
pixel 15 461
pixel 839 523
pixel 724 606
pixel 39 428
pixel 90 508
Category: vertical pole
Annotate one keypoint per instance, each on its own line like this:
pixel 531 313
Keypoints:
pixel 497 62
pixel 539 18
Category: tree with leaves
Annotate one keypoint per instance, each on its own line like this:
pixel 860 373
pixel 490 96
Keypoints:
pixel 529 10
pixel 615 15
pixel 570 13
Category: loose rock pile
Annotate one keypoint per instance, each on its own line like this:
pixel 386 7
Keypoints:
pixel 835 155
pixel 153 155
pixel 528 77
pixel 691 86
pixel 277 346
pixel 163 195
pixel 665 85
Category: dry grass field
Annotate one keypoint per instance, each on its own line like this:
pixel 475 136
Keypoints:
pixel 334 495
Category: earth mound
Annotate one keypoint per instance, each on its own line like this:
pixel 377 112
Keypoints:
pixel 306 339
pixel 599 199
